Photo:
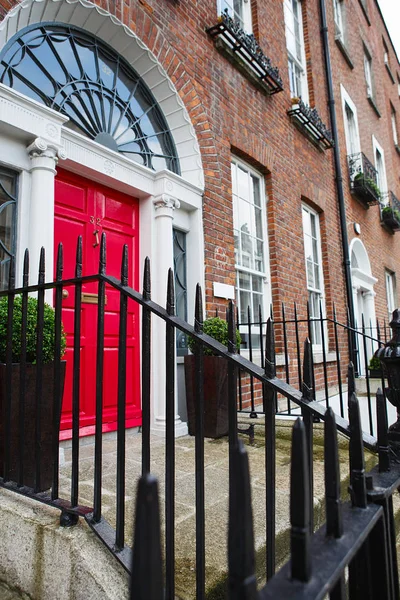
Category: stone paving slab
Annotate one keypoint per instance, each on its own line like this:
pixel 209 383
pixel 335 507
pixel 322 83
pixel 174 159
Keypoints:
pixel 216 494
pixel 8 593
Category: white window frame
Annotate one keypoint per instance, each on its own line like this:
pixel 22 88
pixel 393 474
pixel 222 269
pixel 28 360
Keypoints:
pixel 298 85
pixel 393 118
pixel 368 73
pixel 243 19
pixel 338 18
pixel 382 181
pixel 265 274
pixel 390 284
pixel 318 293
pixel 350 141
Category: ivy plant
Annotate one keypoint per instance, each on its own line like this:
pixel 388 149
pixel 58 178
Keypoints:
pixel 48 331
pixel 216 328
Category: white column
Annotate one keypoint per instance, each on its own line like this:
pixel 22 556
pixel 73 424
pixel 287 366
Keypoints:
pixel 44 157
pixel 370 319
pixel 164 206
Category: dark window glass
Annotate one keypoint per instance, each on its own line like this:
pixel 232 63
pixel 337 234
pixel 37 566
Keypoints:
pixel 180 287
pixel 77 74
pixel 8 205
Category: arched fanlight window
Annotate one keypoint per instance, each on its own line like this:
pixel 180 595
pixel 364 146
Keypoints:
pixel 77 74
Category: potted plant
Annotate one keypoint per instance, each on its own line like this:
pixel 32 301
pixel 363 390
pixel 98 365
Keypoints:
pixel 47 397
pixel 215 382
pixel 366 185
pixel 391 217
pixel 375 368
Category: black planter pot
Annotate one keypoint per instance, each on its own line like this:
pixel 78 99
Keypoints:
pixel 215 396
pixel 375 373
pixel 46 423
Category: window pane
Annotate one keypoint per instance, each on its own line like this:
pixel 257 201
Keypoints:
pixel 259 257
pixel 8 181
pixel 180 262
pixel 244 281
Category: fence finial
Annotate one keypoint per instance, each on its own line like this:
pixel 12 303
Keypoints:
pixel 170 293
pixel 334 523
pixel 103 253
pixel 242 580
pixel 146 279
pixel 78 263
pixel 60 262
pixel 307 383
pixel 383 438
pixel 270 365
pixel 124 265
pixel 198 311
pixel 358 490
pixel 299 505
pixel 351 380
pixel 146 578
pixel 41 265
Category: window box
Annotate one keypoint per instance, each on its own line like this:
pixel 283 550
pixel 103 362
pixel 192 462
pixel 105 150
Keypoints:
pixel 390 214
pixel 243 50
pixel 309 121
pixel 363 179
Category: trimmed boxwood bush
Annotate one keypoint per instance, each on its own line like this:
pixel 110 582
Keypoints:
pixel 48 331
pixel 216 328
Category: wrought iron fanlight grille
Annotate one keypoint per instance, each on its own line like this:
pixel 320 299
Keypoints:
pixel 77 74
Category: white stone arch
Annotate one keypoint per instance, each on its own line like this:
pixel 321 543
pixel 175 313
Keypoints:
pixel 108 28
pixel 363 297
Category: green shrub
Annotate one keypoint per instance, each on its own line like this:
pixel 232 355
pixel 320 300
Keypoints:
pixel 363 180
pixel 48 331
pixel 217 328
pixel 374 364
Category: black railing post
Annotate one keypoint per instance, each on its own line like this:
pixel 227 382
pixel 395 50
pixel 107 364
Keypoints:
pixel 22 374
pixel 76 379
pixel 199 449
pixel 308 395
pixel 269 402
pixel 146 368
pixel 57 400
pixel 9 355
pixel 39 373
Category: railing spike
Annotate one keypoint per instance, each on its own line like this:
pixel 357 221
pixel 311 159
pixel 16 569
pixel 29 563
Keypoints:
pixel 307 383
pixel 334 523
pixel 351 380
pixel 147 578
pixel 79 257
pixel 103 254
pixel 231 329
pixel 11 277
pixel 60 262
pixel 198 313
pixel 41 265
pixel 242 579
pixel 146 279
pixel 124 266
pixel 270 364
pixel 383 438
pixel 170 293
pixel 25 276
pixel 358 490
pixel 299 506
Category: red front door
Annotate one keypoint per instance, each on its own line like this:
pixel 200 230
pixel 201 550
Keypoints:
pixel 88 209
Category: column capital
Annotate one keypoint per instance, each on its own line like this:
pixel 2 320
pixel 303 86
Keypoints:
pixel 165 201
pixel 40 148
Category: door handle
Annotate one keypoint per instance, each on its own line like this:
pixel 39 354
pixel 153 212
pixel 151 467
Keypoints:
pixel 65 294
pixel 96 233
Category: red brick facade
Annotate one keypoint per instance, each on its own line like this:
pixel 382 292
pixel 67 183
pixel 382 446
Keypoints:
pixel 230 116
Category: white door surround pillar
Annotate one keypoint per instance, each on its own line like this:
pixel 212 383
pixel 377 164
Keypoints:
pixel 164 206
pixel 44 157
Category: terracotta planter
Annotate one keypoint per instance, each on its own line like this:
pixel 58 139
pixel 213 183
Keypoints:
pixel 215 395
pixel 46 438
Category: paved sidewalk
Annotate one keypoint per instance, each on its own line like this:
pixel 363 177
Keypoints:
pixel 216 494
pixel 6 593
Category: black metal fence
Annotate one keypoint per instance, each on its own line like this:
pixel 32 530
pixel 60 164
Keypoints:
pixel 353 556
pixel 335 345
pixel 13 456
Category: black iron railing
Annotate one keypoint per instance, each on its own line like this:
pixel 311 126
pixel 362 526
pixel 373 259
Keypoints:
pixel 329 358
pixel 245 47
pixel 363 179
pixel 14 411
pixel 310 121
pixel 390 211
pixel 353 555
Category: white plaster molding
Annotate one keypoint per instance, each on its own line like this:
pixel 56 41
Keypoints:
pixel 164 201
pixel 40 148
pixel 96 20
pixel 362 279
pixel 31 118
